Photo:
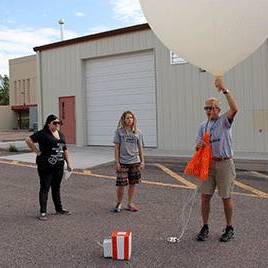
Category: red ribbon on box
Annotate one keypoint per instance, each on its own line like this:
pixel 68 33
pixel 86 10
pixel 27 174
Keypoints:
pixel 121 251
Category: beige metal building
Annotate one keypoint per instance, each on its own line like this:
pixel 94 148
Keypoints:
pixel 23 101
pixel 91 80
pixel 7 118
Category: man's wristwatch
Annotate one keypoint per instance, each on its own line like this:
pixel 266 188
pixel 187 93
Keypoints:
pixel 225 91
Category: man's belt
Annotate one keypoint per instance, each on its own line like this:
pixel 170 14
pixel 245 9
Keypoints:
pixel 215 140
pixel 221 158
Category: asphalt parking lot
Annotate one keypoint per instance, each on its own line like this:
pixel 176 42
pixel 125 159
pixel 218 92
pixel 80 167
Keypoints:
pixel 71 241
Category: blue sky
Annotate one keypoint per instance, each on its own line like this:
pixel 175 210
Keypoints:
pixel 25 24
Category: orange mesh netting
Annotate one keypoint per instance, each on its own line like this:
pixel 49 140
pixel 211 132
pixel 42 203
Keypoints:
pixel 199 164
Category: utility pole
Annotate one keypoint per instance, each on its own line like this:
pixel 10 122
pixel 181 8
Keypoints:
pixel 61 23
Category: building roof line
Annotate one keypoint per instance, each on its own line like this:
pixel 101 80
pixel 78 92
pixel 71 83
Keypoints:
pixel 130 29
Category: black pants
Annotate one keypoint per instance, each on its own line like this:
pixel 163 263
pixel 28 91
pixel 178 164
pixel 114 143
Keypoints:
pixel 50 177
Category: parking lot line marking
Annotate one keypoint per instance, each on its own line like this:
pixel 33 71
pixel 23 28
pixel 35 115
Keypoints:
pixel 258 174
pixel 143 181
pixel 16 163
pixel 90 174
pixel 166 185
pixel 87 172
pixel 248 195
pixel 256 193
pixel 176 176
pixel 251 189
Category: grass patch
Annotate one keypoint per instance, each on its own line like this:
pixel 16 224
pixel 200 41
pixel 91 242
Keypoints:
pixel 12 148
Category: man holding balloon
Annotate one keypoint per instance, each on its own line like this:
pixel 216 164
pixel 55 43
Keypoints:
pixel 215 42
pixel 222 169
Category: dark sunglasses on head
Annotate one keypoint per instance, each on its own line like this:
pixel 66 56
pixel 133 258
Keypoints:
pixel 56 123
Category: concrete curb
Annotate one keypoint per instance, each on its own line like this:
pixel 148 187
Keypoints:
pixel 243 164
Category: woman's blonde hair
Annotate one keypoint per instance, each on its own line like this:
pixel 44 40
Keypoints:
pixel 121 123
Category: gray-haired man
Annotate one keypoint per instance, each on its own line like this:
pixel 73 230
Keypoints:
pixel 222 169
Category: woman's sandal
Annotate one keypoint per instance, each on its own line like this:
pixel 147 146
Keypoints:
pixel 117 208
pixel 132 208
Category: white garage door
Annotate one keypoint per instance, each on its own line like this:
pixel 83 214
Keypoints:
pixel 117 84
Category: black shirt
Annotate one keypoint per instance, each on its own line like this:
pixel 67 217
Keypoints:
pixel 51 148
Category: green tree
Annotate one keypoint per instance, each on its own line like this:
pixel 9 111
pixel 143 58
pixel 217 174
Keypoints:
pixel 4 90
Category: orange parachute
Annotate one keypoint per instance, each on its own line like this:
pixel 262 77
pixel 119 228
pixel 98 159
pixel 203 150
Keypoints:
pixel 199 164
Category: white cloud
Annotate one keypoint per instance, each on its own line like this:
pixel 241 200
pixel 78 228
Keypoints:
pixel 80 14
pixel 128 11
pixel 10 21
pixel 99 29
pixel 6 19
pixel 20 42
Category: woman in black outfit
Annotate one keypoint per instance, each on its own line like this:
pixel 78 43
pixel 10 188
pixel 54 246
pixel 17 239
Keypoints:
pixel 50 163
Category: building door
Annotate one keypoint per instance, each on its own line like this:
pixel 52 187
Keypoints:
pixel 116 84
pixel 67 115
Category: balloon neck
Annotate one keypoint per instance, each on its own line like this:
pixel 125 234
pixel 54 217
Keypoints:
pixel 219 79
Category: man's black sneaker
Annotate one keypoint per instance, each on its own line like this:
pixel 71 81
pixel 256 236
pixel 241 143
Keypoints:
pixel 228 234
pixel 63 212
pixel 203 234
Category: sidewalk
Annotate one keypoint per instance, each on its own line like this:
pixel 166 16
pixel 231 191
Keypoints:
pixel 20 145
pixel 90 156
pixel 81 157
pixel 14 135
pixel 243 160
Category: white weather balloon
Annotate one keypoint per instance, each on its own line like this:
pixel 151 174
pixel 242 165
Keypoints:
pixel 212 34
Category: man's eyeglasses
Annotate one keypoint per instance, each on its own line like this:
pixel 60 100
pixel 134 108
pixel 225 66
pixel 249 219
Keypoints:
pixel 210 108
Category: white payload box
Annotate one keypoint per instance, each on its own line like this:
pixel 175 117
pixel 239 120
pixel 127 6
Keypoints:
pixel 119 247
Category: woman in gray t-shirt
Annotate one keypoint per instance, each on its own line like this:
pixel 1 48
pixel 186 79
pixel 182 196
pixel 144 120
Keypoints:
pixel 129 158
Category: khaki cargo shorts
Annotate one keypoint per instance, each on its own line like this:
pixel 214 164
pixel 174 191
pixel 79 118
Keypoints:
pixel 221 175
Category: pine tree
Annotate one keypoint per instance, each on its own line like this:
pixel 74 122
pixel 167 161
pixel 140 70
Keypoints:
pixel 4 90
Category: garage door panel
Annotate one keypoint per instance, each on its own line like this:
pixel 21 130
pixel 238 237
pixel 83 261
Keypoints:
pixel 116 115
pixel 116 69
pixel 116 84
pixel 122 69
pixel 121 99
pixel 143 119
pixel 107 140
pixel 122 60
pixel 109 131
pixel 101 141
pixel 119 92
pixel 114 107
pixel 120 79
pixel 150 123
pixel 104 131
pixel 139 113
pixel 121 89
pixel 123 96
pixel 103 64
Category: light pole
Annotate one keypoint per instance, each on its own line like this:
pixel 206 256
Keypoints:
pixel 61 23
